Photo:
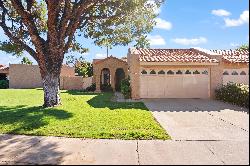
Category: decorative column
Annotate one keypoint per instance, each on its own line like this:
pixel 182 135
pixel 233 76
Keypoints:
pixel 97 81
pixel 112 78
pixel 216 76
pixel 134 73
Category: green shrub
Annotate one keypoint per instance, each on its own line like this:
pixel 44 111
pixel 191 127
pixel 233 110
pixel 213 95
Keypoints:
pixel 91 88
pixel 125 88
pixel 234 93
pixel 106 88
pixel 4 84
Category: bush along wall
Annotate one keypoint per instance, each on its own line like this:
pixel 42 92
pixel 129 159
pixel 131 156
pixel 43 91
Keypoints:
pixel 125 88
pixel 237 94
pixel 91 88
pixel 4 84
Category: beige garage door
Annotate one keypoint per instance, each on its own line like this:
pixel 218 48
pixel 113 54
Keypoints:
pixel 188 83
pixel 236 76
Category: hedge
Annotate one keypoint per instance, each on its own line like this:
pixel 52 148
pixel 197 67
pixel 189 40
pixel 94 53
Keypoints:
pixel 4 84
pixel 234 93
pixel 125 88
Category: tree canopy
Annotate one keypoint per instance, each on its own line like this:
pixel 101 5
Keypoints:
pixel 47 29
pixel 26 61
pixel 29 24
pixel 244 47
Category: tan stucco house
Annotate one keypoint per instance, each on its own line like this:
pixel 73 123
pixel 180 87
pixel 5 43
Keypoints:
pixel 110 70
pixel 173 73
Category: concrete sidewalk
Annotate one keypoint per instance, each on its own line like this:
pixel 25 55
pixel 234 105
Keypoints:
pixel 18 149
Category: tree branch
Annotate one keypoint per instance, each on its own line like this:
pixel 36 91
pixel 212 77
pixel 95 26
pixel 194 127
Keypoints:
pixel 53 13
pixel 38 41
pixel 12 37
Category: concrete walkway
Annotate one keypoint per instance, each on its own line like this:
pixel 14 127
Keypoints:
pixel 16 149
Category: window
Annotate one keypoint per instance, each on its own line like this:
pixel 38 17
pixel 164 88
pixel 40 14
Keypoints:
pixel 196 72
pixel 225 73
pixel 243 73
pixel 152 72
pixel 161 72
pixel 144 72
pixel 187 72
pixel 234 73
pixel 170 72
pixel 179 72
pixel 205 72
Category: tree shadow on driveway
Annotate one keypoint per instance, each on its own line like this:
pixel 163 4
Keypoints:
pixel 190 105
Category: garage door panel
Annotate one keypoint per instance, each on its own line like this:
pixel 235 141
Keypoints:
pixel 174 86
pixel 143 86
pixel 155 84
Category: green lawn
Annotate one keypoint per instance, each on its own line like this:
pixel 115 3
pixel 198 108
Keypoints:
pixel 81 115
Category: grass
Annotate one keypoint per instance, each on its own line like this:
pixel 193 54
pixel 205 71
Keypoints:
pixel 82 115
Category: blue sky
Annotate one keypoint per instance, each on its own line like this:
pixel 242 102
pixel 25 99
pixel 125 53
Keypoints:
pixel 210 24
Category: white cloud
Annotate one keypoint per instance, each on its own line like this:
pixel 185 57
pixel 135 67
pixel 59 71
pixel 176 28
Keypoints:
pixel 186 41
pixel 100 56
pixel 221 13
pixel 235 45
pixel 156 40
pixel 243 19
pixel 163 24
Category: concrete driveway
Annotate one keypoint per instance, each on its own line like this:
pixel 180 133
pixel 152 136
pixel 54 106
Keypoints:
pixel 196 119
pixel 222 127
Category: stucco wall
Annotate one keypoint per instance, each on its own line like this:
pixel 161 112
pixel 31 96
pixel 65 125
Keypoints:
pixel 71 83
pixel 23 76
pixel 87 82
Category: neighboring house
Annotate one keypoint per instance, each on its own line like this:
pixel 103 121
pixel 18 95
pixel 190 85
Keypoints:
pixel 28 76
pixel 235 65
pixel 173 73
pixel 4 72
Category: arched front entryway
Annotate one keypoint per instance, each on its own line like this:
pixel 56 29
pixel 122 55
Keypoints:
pixel 119 76
pixel 111 71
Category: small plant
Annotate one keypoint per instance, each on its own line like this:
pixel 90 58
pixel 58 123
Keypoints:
pixel 125 88
pixel 234 93
pixel 91 88
pixel 4 84
pixel 106 88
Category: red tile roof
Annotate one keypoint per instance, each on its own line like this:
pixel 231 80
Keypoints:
pixel 173 55
pixel 4 69
pixel 233 56
pixel 97 61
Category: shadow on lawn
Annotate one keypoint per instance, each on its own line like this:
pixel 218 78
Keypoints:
pixel 103 100
pixel 29 118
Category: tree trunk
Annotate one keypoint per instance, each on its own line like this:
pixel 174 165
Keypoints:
pixel 51 89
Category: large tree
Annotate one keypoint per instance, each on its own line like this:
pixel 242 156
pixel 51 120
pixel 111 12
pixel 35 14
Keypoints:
pixel 48 29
